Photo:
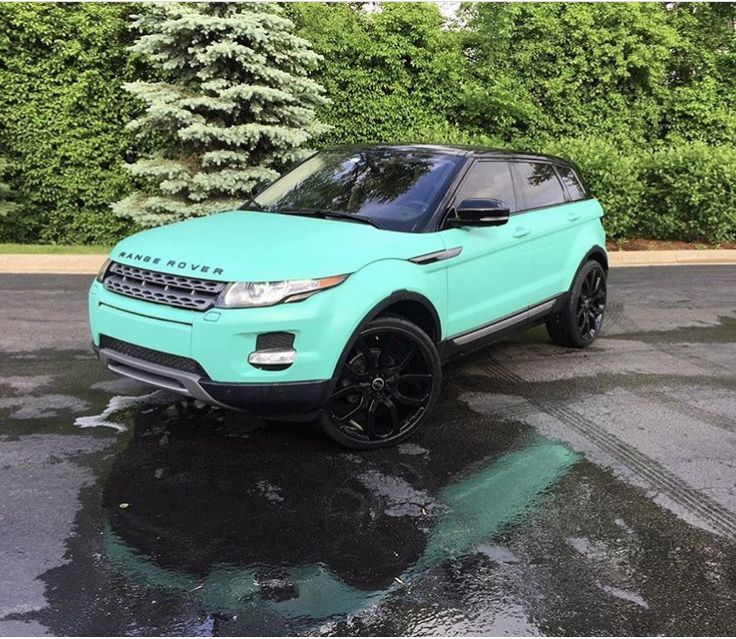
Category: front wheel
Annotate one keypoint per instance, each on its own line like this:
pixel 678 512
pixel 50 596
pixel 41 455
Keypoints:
pixel 580 320
pixel 386 388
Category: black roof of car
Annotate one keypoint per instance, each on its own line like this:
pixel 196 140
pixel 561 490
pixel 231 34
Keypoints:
pixel 458 149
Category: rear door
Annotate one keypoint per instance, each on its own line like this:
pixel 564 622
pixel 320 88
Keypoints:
pixel 493 276
pixel 547 212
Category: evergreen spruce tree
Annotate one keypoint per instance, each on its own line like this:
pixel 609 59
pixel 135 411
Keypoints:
pixel 6 195
pixel 235 106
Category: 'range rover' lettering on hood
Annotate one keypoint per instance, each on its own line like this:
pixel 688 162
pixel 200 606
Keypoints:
pixel 153 260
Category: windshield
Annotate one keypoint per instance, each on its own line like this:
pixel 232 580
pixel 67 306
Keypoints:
pixel 394 189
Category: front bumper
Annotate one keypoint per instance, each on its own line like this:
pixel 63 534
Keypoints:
pixel 223 340
pixel 218 343
pixel 276 399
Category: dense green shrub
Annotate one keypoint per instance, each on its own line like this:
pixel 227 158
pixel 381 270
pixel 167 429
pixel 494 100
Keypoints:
pixel 602 83
pixel 63 113
pixel 701 100
pixel 565 69
pixel 690 193
pixel 392 75
pixel 7 203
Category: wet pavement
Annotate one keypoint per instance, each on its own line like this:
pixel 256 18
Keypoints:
pixel 556 491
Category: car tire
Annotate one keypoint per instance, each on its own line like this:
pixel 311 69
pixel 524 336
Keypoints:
pixel 579 321
pixel 386 388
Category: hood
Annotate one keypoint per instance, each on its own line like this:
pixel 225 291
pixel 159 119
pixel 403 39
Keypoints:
pixel 257 246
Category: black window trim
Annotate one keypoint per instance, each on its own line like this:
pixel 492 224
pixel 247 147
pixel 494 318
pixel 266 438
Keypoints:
pixel 566 192
pixel 447 205
pixel 435 217
pixel 436 221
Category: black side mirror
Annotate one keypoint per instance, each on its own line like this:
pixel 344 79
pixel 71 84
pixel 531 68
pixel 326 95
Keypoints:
pixel 480 212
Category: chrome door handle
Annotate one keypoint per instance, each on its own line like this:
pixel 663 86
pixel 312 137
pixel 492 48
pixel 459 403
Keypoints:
pixel 521 231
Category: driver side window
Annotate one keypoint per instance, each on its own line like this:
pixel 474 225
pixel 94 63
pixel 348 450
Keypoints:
pixel 488 180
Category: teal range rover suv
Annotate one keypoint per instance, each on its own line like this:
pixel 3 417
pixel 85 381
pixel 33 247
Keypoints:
pixel 339 290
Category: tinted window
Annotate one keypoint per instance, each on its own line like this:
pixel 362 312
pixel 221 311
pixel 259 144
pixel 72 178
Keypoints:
pixel 572 182
pixel 490 180
pixel 538 184
pixel 395 188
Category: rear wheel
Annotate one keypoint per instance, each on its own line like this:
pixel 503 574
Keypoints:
pixel 387 387
pixel 580 320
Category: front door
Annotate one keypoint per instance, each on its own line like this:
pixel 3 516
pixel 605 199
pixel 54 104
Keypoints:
pixel 493 275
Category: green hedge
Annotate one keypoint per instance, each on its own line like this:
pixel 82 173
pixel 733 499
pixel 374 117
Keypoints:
pixel 389 74
pixel 690 193
pixel 680 191
pixel 641 96
pixel 63 116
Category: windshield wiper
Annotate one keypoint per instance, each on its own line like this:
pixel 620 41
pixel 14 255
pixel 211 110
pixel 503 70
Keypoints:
pixel 251 205
pixel 347 216
pixel 325 214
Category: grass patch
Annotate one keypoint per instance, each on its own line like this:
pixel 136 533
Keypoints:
pixel 69 249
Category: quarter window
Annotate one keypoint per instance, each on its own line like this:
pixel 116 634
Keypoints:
pixel 488 180
pixel 538 184
pixel 572 182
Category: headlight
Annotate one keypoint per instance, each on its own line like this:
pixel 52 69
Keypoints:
pixel 103 270
pixel 245 294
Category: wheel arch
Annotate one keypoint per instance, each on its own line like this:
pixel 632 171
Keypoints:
pixel 597 253
pixel 405 304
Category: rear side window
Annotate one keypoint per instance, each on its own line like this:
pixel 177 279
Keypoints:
pixel 488 180
pixel 572 182
pixel 538 184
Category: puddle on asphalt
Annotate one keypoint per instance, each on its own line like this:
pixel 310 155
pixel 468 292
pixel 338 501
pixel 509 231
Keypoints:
pixel 204 522
pixel 230 525
pixel 35 400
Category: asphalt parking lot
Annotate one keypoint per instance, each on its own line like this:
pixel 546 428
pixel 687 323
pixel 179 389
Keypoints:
pixel 556 491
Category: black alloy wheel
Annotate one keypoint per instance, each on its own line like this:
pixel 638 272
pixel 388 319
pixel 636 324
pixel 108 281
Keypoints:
pixel 591 304
pixel 580 320
pixel 386 388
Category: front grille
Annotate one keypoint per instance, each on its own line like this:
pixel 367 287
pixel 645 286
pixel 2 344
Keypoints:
pixel 162 288
pixel 152 356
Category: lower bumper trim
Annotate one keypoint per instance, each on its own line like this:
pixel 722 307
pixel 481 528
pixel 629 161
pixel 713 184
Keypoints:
pixel 277 399
pixel 287 398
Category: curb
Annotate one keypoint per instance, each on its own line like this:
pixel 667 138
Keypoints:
pixel 31 263
pixel 672 258
pixel 60 264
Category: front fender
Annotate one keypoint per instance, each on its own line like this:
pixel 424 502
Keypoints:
pixel 323 324
pixel 399 281
pixel 384 282
pixel 376 287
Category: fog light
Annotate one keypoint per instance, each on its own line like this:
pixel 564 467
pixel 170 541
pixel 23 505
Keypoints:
pixel 272 357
